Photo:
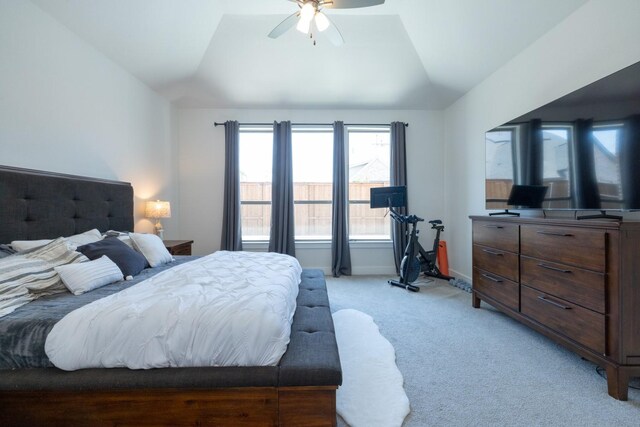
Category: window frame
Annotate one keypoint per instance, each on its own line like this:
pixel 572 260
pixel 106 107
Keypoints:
pixel 571 177
pixel 312 129
pixel 255 129
pixel 618 127
pixel 359 240
pixel 364 129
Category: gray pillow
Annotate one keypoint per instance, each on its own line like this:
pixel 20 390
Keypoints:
pixel 129 261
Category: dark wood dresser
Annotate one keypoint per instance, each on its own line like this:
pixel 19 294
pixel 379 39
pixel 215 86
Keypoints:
pixel 575 281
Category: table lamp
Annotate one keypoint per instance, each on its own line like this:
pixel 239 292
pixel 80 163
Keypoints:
pixel 158 209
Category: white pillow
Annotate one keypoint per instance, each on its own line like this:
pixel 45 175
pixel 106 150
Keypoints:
pixel 83 238
pixel 152 248
pixel 51 255
pixel 23 245
pixel 122 235
pixel 87 276
pixel 127 240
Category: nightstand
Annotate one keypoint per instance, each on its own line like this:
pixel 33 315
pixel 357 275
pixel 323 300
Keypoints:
pixel 178 247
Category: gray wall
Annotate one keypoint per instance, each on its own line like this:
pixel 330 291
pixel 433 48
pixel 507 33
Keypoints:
pixel 65 107
pixel 599 38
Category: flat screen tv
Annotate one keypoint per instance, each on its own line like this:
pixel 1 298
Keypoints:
pixel 388 197
pixel 579 152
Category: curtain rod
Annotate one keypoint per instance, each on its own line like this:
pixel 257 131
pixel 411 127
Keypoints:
pixel 216 124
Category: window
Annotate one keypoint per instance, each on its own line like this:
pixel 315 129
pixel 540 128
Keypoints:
pixel 555 165
pixel 607 164
pixel 312 153
pixel 256 152
pixel 499 166
pixel 369 166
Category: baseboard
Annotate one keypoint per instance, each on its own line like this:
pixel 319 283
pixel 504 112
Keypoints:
pixel 376 270
pixel 383 271
pixel 362 271
pixel 459 275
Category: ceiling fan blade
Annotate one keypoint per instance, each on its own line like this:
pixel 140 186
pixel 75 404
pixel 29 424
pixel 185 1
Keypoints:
pixel 352 4
pixel 284 26
pixel 333 34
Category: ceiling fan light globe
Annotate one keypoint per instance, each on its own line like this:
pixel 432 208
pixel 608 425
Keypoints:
pixel 307 11
pixel 303 25
pixel 322 22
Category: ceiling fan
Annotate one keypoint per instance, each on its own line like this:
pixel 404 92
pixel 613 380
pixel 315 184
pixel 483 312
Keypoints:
pixel 310 18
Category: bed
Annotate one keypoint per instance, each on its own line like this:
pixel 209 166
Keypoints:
pixel 299 390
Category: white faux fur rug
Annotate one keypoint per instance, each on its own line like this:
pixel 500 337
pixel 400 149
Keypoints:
pixel 371 393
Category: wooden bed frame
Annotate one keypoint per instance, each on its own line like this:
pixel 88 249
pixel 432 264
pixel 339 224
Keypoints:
pixel 49 404
pixel 245 406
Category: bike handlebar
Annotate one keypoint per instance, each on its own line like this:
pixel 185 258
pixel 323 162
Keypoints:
pixel 414 219
pixel 408 219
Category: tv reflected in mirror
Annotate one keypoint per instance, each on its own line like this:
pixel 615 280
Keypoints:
pixel 583 149
pixel 527 196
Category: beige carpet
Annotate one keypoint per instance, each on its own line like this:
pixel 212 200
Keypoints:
pixel 470 367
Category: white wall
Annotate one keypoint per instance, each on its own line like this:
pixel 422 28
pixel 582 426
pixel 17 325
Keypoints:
pixel 601 37
pixel 65 107
pixel 202 175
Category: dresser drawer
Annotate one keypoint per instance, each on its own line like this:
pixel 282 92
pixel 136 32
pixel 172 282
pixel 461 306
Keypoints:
pixel 579 324
pixel 497 235
pixel 181 250
pixel 496 261
pixel 584 248
pixel 581 287
pixel 498 288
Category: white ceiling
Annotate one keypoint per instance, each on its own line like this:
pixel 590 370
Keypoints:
pixel 405 54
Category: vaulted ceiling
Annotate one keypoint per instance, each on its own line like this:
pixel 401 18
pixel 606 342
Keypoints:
pixel 405 54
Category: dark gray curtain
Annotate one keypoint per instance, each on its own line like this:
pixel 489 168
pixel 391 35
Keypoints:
pixel 340 252
pixel 398 177
pixel 282 237
pixel 532 144
pixel 231 221
pixel 587 193
pixel 630 162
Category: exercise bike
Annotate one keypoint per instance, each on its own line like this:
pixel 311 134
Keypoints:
pixel 416 259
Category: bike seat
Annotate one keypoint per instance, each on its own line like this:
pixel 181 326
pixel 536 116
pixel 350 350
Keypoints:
pixel 435 221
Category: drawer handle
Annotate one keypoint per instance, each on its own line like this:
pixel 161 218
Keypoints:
pixel 548 267
pixel 493 279
pixel 564 307
pixel 551 233
pixel 493 252
pixel 494 226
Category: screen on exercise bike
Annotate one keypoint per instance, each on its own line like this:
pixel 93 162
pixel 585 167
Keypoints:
pixel 389 197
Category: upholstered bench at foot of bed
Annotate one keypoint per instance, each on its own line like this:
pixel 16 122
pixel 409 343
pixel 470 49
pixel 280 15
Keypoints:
pixel 312 355
pixel 310 369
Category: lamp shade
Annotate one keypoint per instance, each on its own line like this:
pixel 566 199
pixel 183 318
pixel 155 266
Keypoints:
pixel 158 209
pixel 307 11
pixel 303 25
pixel 322 22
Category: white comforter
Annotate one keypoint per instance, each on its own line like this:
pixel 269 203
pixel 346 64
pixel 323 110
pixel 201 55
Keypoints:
pixel 225 309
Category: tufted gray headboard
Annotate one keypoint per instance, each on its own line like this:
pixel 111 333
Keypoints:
pixel 45 205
